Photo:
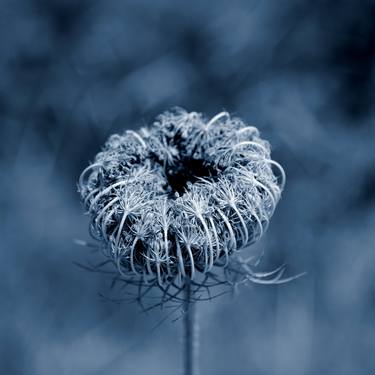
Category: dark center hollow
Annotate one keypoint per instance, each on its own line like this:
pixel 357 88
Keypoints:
pixel 187 170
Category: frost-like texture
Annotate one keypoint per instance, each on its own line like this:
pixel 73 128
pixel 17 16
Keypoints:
pixel 176 201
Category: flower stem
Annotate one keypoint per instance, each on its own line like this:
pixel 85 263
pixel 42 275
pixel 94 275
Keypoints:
pixel 191 334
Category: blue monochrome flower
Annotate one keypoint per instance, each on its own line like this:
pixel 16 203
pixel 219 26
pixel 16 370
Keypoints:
pixel 178 200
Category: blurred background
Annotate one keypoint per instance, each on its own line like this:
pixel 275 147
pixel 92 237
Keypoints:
pixel 74 72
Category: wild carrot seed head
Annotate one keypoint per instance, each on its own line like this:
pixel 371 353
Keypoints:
pixel 181 198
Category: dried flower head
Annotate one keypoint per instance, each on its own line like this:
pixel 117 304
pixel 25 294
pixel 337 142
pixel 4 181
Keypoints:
pixel 177 201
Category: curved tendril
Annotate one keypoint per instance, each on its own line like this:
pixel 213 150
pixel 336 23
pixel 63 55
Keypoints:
pixel 208 234
pixel 105 191
pixel 216 236
pixel 139 138
pixel 268 191
pixel 180 259
pixel 226 252
pixel 132 249
pixel 216 118
pixel 230 228
pixel 92 192
pixel 192 263
pixel 83 174
pixel 93 230
pixel 119 230
pixel 281 170
pixel 248 128
pixel 247 176
pixel 104 224
pixel 260 228
pixel 105 208
pixel 148 263
pixel 119 267
pixel 246 232
pixel 249 143
pixel 179 276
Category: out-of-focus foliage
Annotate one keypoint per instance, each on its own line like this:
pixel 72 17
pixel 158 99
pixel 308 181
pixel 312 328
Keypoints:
pixel 73 72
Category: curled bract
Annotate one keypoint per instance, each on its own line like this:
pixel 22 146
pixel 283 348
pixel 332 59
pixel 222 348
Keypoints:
pixel 178 200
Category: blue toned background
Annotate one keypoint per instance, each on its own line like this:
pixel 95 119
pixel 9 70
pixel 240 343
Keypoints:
pixel 74 72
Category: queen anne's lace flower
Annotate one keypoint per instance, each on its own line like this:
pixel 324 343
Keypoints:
pixel 179 200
